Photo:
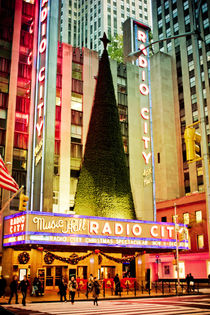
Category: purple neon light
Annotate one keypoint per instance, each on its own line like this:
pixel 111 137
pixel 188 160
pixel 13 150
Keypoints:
pixel 91 244
pixel 89 217
pixel 92 236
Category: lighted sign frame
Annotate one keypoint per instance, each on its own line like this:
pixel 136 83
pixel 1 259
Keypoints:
pixel 90 231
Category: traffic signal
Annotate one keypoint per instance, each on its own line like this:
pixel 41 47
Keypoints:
pixel 23 202
pixel 192 141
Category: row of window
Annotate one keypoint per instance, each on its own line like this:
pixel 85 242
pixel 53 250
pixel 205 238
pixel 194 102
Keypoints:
pixel 186 218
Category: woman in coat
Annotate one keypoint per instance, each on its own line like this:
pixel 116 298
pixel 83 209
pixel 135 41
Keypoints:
pixel 72 289
pixel 96 291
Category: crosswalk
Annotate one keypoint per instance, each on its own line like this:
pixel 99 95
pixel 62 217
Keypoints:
pixel 118 307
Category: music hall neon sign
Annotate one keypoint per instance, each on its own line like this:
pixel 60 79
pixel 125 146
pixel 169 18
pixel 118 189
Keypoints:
pixel 144 90
pixel 41 74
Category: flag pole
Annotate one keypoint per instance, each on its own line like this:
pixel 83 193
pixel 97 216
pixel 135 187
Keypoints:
pixel 10 199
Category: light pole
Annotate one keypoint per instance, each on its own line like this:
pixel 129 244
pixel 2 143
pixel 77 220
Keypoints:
pixel 204 140
pixel 177 250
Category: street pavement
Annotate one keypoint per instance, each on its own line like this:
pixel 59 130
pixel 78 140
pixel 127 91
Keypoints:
pixel 179 305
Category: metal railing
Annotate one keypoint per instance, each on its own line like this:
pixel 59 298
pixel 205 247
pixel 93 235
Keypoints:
pixel 161 287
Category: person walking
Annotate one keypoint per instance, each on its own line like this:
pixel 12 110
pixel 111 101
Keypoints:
pixel 96 291
pixel 14 288
pixel 3 284
pixel 72 289
pixel 24 284
pixel 117 284
pixel 62 290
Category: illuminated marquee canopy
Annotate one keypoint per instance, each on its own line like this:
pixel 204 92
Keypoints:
pixel 60 229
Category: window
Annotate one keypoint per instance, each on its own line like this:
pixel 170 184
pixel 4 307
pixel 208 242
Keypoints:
pixel 200 241
pixel 198 216
pixel 158 157
pixel 163 219
pixel 76 131
pixel 166 269
pixel 76 102
pixel 186 218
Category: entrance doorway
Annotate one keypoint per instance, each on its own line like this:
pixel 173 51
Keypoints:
pixel 129 269
pixel 72 273
pixel 82 272
pixel 107 272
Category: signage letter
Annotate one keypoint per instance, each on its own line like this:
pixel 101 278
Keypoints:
pixel 41 74
pixel 170 229
pixel 142 62
pixel 44 2
pixel 43 45
pixel 141 36
pixel 154 227
pixel 94 227
pixel 118 228
pixel 146 141
pixel 143 113
pixel 146 157
pixel 44 14
pixel 39 128
pixel 144 89
pixel 106 229
pixel 136 229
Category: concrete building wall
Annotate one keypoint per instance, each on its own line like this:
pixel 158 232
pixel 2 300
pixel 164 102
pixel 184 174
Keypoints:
pixel 165 149
pixel 171 18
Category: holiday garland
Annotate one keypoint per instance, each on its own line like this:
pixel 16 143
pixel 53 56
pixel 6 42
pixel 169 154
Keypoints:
pixel 74 259
pixel 120 260
pixel 23 258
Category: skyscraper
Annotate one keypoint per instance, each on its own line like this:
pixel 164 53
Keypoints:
pixel 83 22
pixel 170 18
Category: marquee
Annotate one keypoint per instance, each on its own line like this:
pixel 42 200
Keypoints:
pixel 61 229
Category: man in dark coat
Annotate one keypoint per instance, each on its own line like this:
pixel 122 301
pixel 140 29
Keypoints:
pixel 14 288
pixel 23 287
pixel 62 290
pixel 117 284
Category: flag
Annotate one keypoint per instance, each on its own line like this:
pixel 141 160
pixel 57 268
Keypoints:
pixel 6 180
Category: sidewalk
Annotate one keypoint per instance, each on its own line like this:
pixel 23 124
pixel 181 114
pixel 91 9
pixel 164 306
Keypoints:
pixel 52 296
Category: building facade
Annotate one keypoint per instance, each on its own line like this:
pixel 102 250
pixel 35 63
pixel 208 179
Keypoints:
pixel 171 18
pixel 191 210
pixel 83 22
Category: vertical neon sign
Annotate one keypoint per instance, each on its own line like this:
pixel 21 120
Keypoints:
pixel 40 100
pixel 41 74
pixel 141 41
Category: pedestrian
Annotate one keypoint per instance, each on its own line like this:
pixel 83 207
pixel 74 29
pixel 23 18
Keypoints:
pixel 90 284
pixel 72 289
pixel 117 284
pixel 3 284
pixel 191 281
pixel 14 288
pixel 96 291
pixel 62 289
pixel 24 284
pixel 34 287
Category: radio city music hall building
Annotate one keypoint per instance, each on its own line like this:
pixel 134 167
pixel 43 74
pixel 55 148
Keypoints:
pixel 47 92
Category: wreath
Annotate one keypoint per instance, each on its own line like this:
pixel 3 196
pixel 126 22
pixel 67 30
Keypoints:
pixel 48 258
pixel 23 258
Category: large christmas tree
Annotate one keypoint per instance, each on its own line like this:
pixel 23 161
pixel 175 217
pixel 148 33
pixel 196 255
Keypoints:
pixel 104 185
